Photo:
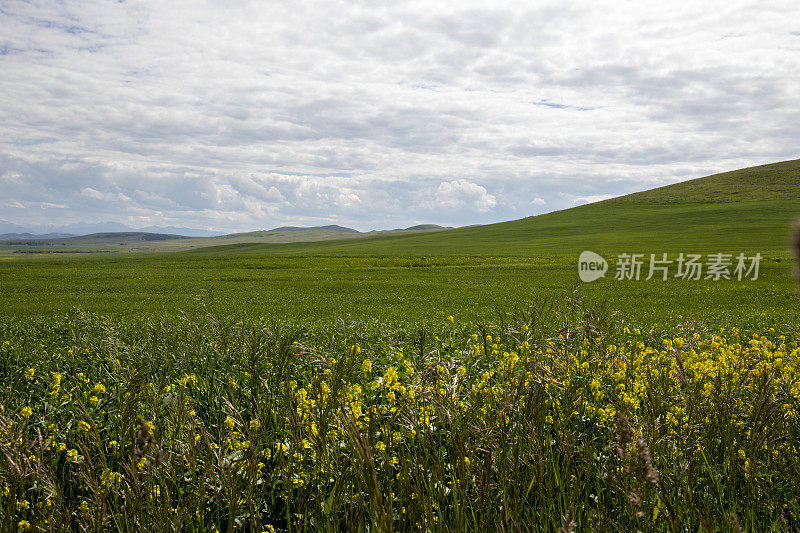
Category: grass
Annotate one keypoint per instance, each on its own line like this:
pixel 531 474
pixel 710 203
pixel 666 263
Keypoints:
pixel 764 182
pixel 137 242
pixel 414 277
pixel 329 289
pixel 440 381
pixel 555 416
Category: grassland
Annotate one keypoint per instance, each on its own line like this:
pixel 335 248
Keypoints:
pixel 764 182
pixel 140 242
pixel 441 381
pixel 421 276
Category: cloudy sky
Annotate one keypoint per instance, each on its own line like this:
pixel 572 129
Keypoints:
pixel 235 115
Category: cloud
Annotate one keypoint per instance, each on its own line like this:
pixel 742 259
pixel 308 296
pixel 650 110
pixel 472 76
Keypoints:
pixel 250 114
pixel 461 193
pixel 88 192
pixel 590 199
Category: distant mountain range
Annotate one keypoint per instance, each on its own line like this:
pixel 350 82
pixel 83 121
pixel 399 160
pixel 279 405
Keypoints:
pixel 107 238
pixel 9 230
pixel 332 227
pixel 342 229
pixel 104 231
pixel 24 236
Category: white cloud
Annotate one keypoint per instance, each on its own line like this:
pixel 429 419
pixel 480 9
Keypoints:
pixel 251 113
pixel 589 199
pixel 461 193
pixel 88 192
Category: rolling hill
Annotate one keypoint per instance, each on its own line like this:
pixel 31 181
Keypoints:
pixel 410 276
pixel 130 242
pixel 114 237
pixel 30 236
pixel 746 210
pixel 775 181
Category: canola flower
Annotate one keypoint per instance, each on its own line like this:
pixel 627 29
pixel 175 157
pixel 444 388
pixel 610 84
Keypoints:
pixel 622 422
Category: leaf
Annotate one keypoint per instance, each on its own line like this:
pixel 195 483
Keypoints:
pixel 657 507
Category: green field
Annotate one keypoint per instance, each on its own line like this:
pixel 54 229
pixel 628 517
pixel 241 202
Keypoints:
pixel 466 271
pixel 452 380
pixel 140 242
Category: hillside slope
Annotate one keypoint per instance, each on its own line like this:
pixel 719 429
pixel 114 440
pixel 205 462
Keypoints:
pixel 135 242
pixel 749 210
pixel 775 181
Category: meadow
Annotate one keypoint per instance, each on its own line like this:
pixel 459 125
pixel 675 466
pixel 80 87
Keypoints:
pixel 446 381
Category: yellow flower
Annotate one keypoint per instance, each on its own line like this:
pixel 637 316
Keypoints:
pixel 23 525
pixel 84 426
pixel 29 374
pixel 366 366
pixel 110 479
pixel 389 377
pixel 450 318
pixel 26 412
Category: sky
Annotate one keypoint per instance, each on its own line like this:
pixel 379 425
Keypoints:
pixel 236 115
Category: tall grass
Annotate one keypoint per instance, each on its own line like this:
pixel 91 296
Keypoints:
pixel 550 417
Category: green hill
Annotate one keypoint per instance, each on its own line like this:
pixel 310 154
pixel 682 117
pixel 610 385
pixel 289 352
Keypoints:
pixel 776 181
pixel 746 210
pixel 121 238
pixel 136 242
pixel 466 271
